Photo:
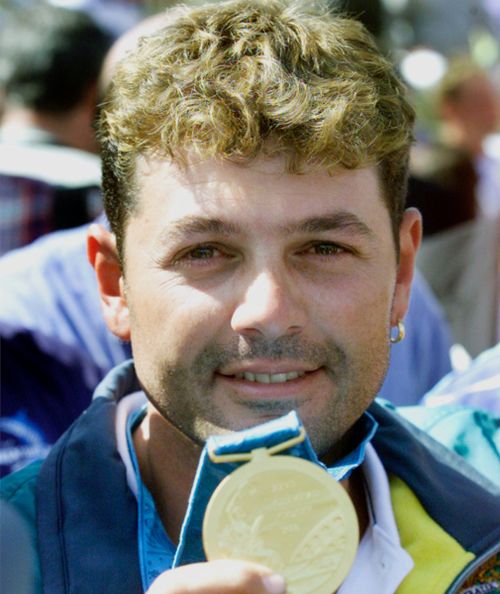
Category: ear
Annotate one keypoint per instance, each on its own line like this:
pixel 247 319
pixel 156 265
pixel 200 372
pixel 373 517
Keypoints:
pixel 410 235
pixel 103 256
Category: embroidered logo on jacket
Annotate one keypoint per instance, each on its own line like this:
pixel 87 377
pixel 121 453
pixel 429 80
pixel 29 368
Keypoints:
pixel 486 580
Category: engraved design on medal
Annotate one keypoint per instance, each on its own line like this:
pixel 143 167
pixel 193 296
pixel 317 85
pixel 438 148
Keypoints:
pixel 288 514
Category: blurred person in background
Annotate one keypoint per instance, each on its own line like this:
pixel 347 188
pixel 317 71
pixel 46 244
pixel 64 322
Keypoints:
pixel 469 108
pixel 443 186
pixel 50 60
pixel 114 16
pixel 455 183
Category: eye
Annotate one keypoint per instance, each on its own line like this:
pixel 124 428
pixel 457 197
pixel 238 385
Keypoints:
pixel 202 252
pixel 203 256
pixel 324 248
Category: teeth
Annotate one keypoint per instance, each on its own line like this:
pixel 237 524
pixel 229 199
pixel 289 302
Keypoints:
pixel 262 378
pixel 269 378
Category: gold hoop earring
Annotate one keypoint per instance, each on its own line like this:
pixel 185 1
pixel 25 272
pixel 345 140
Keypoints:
pixel 401 333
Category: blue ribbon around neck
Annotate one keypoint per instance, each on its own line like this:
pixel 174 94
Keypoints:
pixel 157 553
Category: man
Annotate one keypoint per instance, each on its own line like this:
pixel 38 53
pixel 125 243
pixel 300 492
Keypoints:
pixel 56 344
pixel 50 60
pixel 254 177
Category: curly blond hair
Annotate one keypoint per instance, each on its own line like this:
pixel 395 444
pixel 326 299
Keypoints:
pixel 236 79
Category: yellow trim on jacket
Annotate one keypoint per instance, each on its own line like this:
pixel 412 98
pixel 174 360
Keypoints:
pixel 437 556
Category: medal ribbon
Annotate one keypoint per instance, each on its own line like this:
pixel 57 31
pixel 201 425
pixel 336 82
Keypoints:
pixel 157 553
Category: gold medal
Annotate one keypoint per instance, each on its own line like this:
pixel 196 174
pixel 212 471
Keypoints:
pixel 288 514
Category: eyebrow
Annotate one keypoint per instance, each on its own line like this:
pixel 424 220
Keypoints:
pixel 195 225
pixel 341 220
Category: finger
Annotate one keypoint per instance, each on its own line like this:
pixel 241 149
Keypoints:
pixel 223 577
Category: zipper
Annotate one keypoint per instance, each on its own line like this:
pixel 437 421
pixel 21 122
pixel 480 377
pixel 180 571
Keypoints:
pixel 471 568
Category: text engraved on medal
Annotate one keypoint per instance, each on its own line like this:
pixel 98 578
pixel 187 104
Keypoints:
pixel 295 519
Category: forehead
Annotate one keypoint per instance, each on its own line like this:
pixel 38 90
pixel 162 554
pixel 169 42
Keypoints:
pixel 261 188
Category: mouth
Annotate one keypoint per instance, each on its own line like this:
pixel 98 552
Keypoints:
pixel 272 380
pixel 268 378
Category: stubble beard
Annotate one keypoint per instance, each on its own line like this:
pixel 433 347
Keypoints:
pixel 182 393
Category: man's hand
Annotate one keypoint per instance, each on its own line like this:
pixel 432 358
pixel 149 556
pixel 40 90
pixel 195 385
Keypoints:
pixel 219 577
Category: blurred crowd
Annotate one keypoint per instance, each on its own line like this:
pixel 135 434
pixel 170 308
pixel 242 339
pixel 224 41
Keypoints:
pixel 56 59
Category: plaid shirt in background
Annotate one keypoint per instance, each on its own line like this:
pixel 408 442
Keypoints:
pixel 30 208
pixel 43 186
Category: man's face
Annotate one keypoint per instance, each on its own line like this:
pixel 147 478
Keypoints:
pixel 250 292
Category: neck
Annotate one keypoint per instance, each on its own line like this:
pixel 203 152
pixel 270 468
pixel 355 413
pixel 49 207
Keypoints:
pixel 168 461
pixel 73 128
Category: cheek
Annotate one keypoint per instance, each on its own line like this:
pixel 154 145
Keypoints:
pixel 352 303
pixel 174 321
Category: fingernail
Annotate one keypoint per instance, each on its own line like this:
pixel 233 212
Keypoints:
pixel 274 584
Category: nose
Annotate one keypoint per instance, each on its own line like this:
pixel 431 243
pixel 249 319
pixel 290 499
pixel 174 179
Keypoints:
pixel 269 307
